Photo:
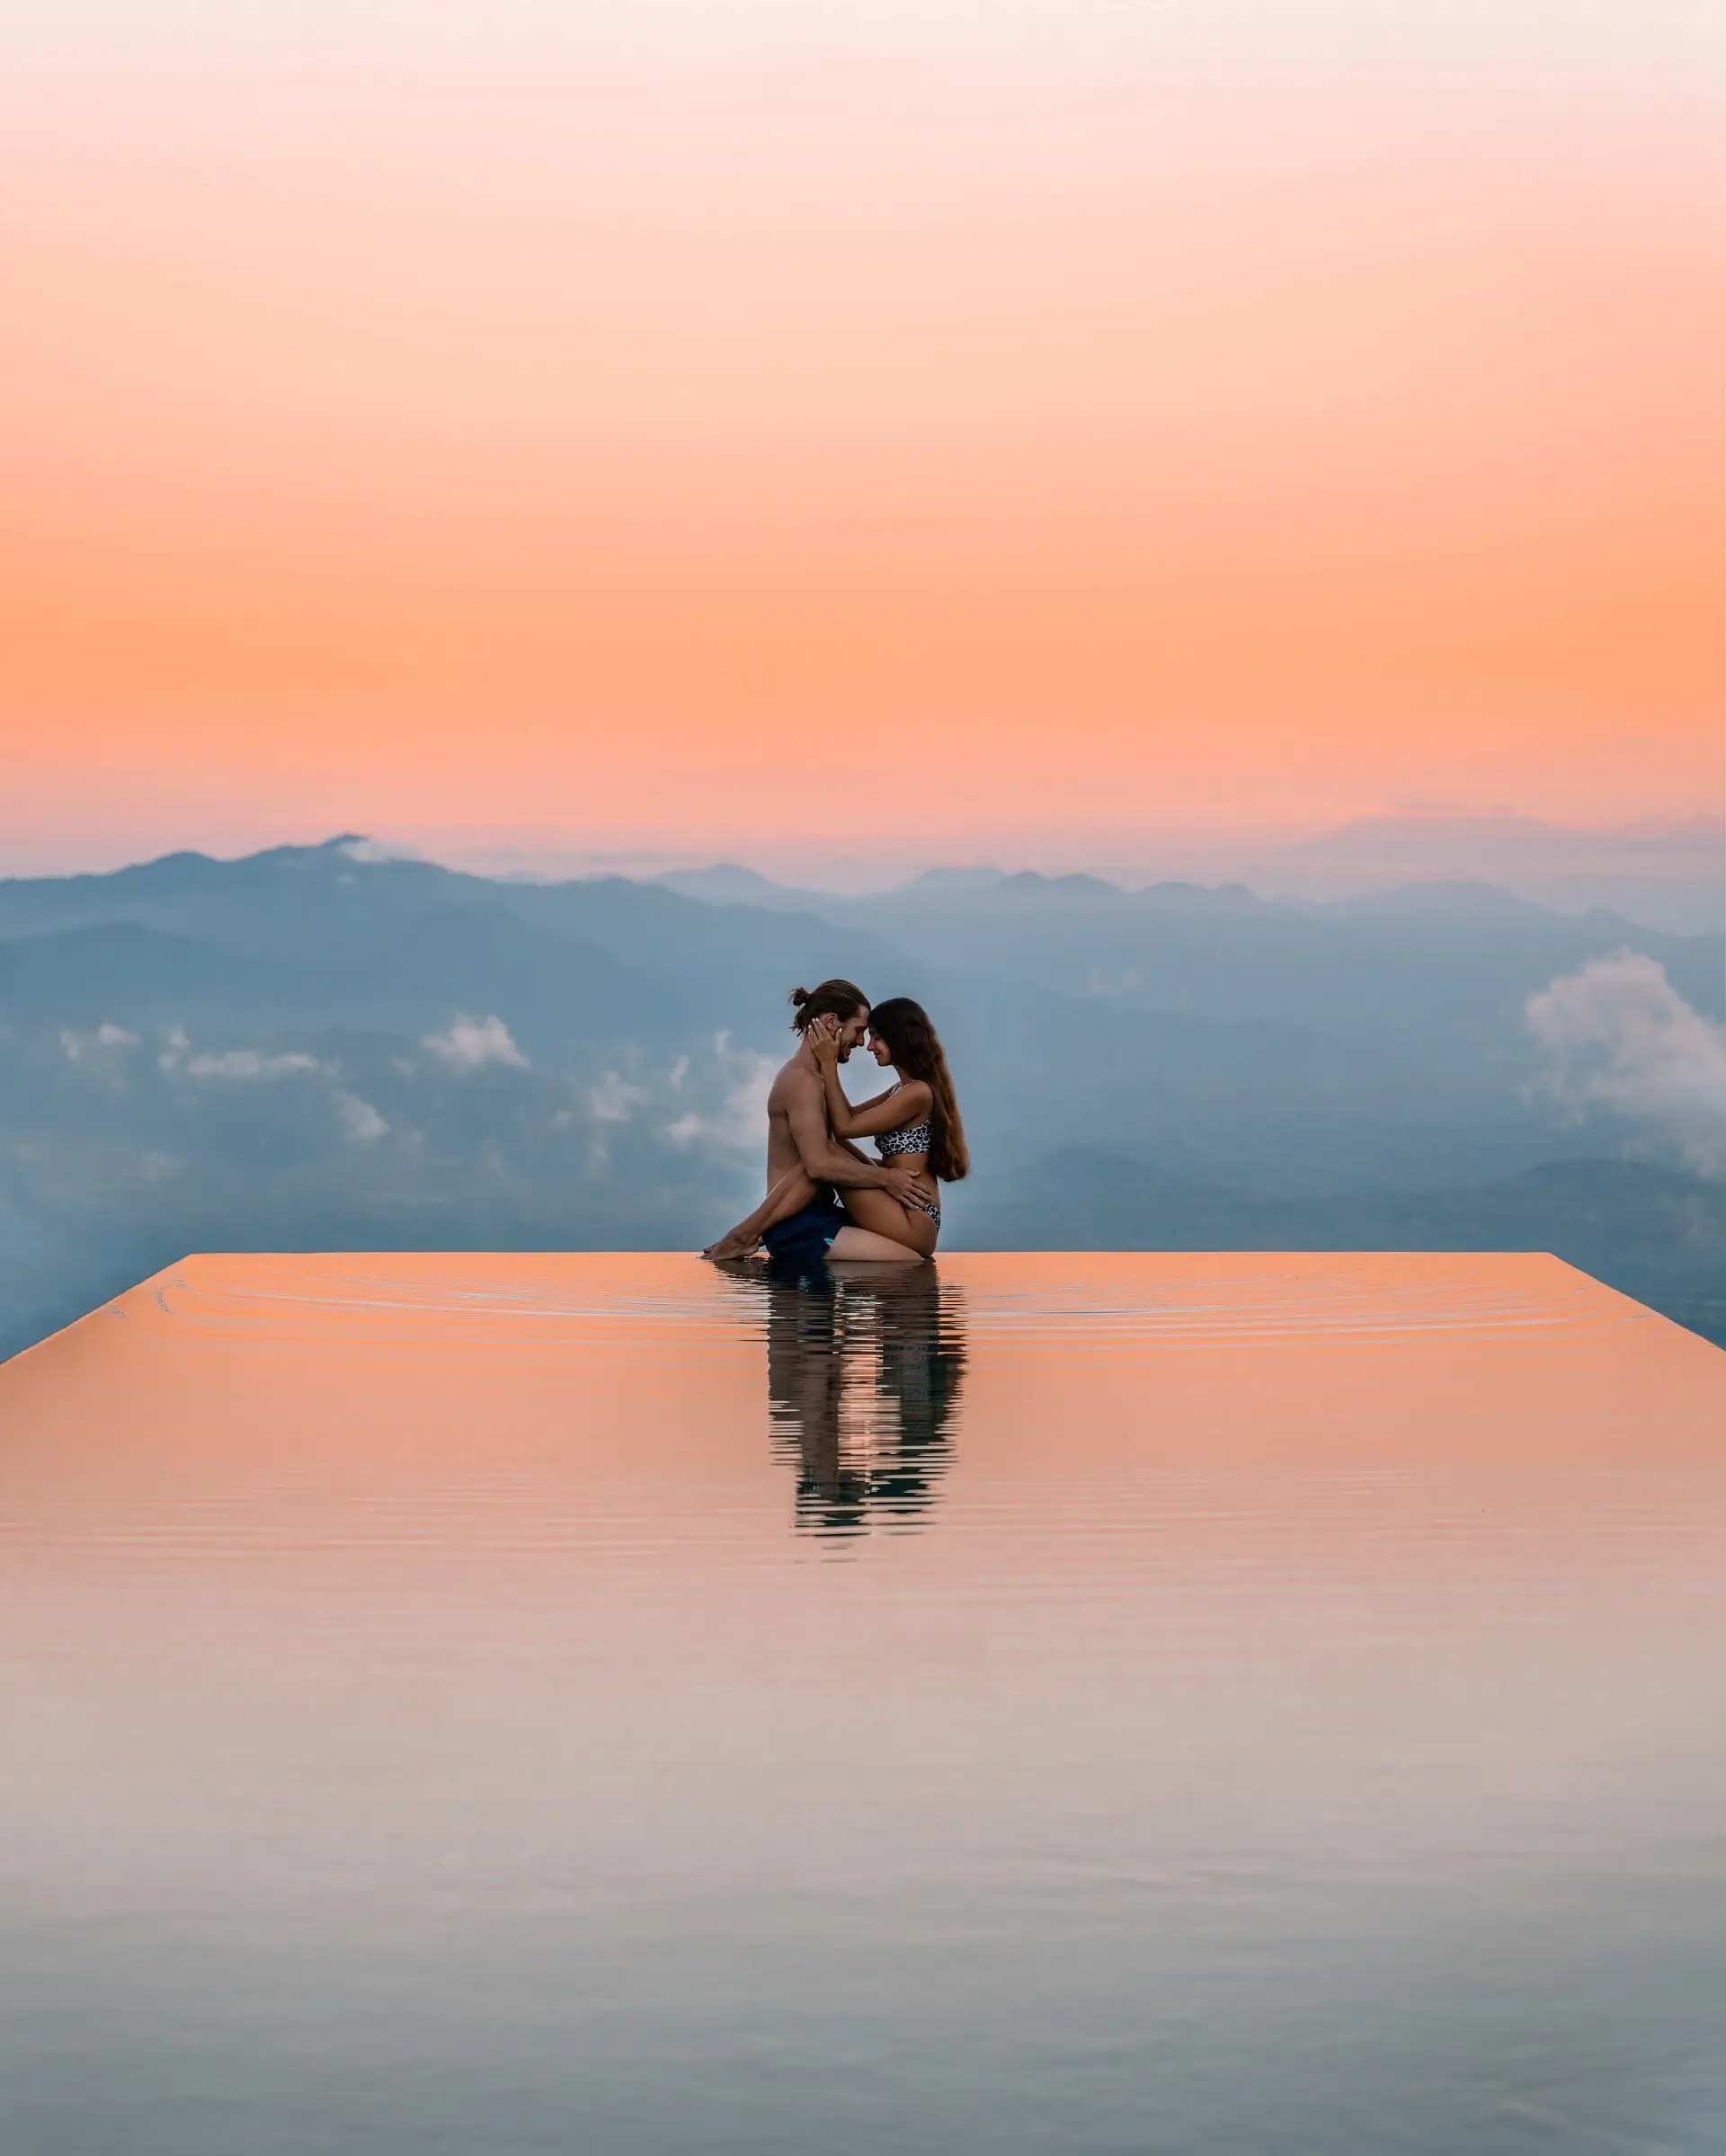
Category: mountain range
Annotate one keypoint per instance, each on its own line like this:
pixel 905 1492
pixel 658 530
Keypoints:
pixel 314 1047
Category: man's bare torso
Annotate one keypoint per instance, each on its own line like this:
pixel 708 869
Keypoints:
pixel 798 1078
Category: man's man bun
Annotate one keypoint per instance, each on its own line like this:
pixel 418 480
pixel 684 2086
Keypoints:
pixel 834 998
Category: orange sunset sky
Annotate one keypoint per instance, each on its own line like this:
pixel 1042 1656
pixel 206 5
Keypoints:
pixel 966 432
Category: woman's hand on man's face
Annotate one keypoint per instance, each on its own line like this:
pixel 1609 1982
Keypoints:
pixel 823 1039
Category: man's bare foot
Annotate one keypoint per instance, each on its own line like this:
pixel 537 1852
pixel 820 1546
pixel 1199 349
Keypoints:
pixel 728 1246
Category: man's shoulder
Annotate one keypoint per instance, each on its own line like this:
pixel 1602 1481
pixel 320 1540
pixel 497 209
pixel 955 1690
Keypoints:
pixel 793 1076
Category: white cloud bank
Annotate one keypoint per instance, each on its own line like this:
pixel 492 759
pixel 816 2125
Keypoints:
pixel 361 1122
pixel 613 1100
pixel 739 1122
pixel 470 1044
pixel 1618 1035
pixel 249 1064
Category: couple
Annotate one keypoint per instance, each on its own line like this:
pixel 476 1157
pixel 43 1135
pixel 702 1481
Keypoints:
pixel 824 1198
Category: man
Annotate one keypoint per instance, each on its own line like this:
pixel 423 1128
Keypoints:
pixel 799 1136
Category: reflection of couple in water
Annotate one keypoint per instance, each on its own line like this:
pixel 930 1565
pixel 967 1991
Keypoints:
pixel 826 1197
pixel 863 1379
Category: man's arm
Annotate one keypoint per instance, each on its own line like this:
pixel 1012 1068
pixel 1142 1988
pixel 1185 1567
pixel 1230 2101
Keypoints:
pixel 807 1114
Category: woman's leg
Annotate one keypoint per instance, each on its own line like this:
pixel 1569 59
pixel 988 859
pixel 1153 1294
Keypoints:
pixel 793 1190
pixel 878 1213
pixel 861 1243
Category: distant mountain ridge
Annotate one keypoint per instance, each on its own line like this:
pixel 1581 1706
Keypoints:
pixel 1667 874
pixel 1454 897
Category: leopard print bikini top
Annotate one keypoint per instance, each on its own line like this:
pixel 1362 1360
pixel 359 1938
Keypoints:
pixel 912 1139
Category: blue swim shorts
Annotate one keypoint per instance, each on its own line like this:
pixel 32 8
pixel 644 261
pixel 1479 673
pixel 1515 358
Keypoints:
pixel 803 1239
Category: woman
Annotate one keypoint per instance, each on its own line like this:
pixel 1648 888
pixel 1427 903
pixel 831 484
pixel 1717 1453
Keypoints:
pixel 919 1115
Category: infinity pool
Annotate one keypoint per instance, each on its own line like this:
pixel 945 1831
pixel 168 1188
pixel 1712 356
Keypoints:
pixel 1247 1704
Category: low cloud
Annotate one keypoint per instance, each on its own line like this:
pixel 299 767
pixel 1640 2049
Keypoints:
pixel 249 1064
pixel 361 1122
pixel 1618 1035
pixel 471 1043
pixel 240 1064
pixel 372 852
pixel 613 1100
pixel 106 1036
pixel 740 1121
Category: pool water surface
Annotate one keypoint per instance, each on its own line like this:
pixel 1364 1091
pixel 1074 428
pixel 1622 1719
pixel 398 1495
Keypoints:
pixel 1250 1704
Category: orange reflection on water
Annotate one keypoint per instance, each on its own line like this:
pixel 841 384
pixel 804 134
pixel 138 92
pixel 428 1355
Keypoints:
pixel 309 1381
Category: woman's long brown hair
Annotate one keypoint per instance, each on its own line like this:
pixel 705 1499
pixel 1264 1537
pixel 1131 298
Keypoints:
pixel 916 1051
